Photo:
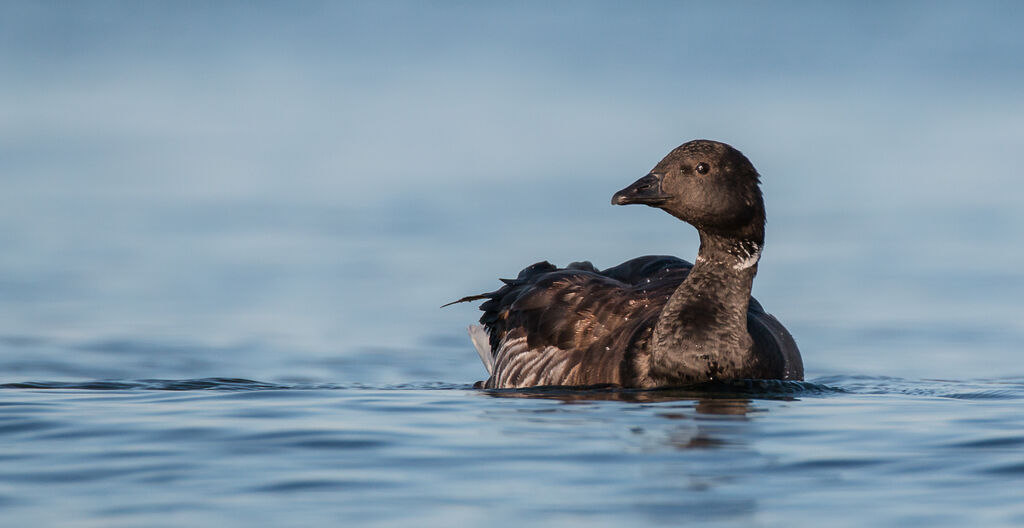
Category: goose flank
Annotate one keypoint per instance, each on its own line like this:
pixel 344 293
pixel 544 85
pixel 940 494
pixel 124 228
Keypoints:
pixel 652 321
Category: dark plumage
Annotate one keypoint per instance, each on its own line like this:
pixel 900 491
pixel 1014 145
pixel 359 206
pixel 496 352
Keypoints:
pixel 652 321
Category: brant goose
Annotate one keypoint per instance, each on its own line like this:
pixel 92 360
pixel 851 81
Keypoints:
pixel 652 321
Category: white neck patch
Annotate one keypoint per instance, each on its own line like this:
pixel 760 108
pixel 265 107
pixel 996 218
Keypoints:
pixel 748 256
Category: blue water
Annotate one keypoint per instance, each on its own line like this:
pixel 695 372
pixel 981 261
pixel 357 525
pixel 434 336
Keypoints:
pixel 226 230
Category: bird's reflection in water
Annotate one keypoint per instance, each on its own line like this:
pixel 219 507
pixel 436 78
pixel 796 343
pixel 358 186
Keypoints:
pixel 707 415
pixel 701 437
pixel 723 406
pixel 711 398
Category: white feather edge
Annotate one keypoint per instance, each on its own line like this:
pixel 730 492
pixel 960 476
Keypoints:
pixel 482 343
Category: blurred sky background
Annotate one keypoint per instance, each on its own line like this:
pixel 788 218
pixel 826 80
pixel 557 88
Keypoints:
pixel 290 190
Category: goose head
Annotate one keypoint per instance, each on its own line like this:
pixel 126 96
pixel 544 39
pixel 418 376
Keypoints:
pixel 707 184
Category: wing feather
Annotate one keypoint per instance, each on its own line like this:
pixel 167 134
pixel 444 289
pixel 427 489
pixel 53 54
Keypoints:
pixel 571 326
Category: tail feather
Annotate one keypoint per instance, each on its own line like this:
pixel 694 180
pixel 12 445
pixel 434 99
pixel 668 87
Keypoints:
pixel 469 298
pixel 482 343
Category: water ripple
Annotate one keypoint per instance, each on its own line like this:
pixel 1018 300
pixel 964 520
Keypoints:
pixel 297 486
pixel 998 389
pixel 231 384
pixel 983 389
pixel 219 384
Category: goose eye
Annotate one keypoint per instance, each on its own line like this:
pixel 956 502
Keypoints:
pixel 703 168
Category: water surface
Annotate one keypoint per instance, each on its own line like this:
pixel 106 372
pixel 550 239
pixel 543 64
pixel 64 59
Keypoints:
pixel 238 452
